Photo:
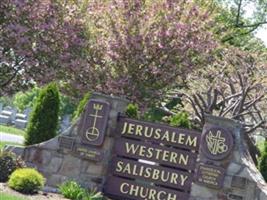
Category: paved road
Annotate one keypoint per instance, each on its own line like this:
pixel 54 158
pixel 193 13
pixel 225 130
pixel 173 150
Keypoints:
pixel 4 137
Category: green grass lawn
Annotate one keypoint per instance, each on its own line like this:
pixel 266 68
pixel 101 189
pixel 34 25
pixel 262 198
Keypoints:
pixel 4 196
pixel 11 130
pixel 2 144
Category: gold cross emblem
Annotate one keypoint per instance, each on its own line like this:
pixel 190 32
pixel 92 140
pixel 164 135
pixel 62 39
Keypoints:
pixel 92 133
pixel 216 143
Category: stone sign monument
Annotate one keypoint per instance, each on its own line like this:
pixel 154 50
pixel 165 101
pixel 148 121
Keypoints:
pixel 132 159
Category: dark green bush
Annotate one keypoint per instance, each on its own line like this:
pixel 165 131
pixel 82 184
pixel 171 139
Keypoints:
pixel 8 163
pixel 132 111
pixel 44 118
pixel 263 162
pixel 180 120
pixel 26 180
pixel 81 106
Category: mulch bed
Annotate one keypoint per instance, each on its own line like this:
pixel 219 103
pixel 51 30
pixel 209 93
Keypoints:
pixel 40 196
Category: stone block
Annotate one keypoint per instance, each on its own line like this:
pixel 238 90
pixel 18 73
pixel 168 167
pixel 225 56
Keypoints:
pixel 95 169
pixel 51 145
pixel 234 168
pixel 201 191
pixel 239 182
pixel 70 166
pixel 55 179
pixel 84 166
pixel 54 165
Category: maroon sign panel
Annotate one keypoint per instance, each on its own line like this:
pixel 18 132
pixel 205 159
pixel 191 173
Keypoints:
pixel 94 122
pixel 125 189
pixel 210 175
pixel 161 175
pixel 152 161
pixel 159 133
pixel 156 153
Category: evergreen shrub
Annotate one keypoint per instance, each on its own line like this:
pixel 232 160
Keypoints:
pixel 43 121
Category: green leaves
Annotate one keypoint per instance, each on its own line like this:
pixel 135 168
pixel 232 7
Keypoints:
pixel 44 117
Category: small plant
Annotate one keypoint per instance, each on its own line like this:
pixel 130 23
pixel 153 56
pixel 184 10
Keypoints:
pixel 132 111
pixel 92 195
pixel 81 106
pixel 26 180
pixel 8 163
pixel 72 190
pixel 180 120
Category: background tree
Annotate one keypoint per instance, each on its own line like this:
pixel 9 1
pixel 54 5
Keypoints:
pixel 237 21
pixel 39 41
pixel 234 87
pixel 43 122
pixel 150 44
pixel 138 52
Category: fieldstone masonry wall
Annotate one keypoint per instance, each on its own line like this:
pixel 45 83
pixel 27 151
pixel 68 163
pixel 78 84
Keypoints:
pixel 58 163
pixel 242 181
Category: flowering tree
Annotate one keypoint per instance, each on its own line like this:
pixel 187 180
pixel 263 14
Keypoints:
pixel 149 45
pixel 137 49
pixel 39 41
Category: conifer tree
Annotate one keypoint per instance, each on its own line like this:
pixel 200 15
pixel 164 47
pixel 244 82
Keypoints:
pixel 43 122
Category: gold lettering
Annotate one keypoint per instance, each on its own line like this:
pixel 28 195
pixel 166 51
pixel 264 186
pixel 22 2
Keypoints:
pixel 149 135
pixel 155 175
pixel 134 170
pixel 157 133
pixel 158 151
pixel 191 141
pixel 142 193
pixel 161 193
pixel 171 196
pixel 124 128
pixel 138 130
pixel 183 159
pixel 119 166
pixel 166 136
pixel 122 186
pixel 147 172
pixel 174 178
pixel 165 156
pixel 173 157
pixel 181 138
pixel 142 151
pixel 134 190
pixel 149 152
pixel 173 139
pixel 166 177
pixel 131 129
pixel 131 148
pixel 152 194
pixel 183 179
pixel 127 169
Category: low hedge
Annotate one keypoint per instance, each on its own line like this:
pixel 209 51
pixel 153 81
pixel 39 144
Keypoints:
pixel 26 180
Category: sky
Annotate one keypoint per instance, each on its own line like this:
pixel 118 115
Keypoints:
pixel 262 34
